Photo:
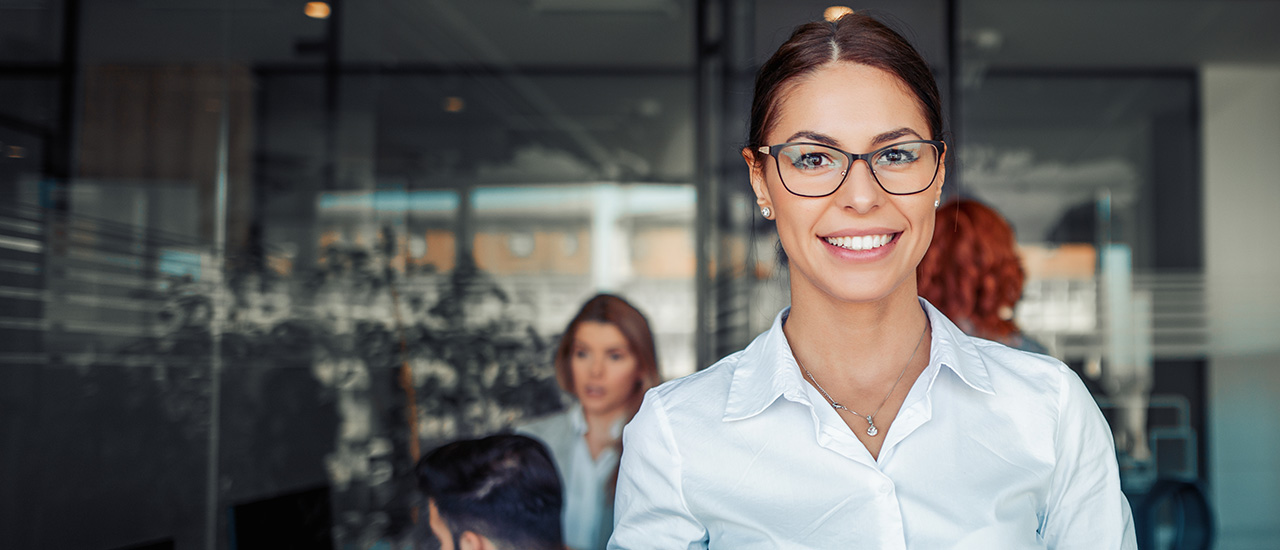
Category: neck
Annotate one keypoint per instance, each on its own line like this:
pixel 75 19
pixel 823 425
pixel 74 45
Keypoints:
pixel 857 343
pixel 600 424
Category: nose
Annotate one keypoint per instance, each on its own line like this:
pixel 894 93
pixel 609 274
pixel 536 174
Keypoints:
pixel 596 367
pixel 860 191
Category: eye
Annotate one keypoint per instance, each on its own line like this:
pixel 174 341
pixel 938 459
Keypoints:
pixel 580 354
pixel 811 158
pixel 810 161
pixel 616 356
pixel 898 156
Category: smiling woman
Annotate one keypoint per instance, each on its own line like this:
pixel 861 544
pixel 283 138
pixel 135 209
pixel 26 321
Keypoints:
pixel 606 359
pixel 864 418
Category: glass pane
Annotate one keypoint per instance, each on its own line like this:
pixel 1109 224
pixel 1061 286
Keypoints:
pixel 266 260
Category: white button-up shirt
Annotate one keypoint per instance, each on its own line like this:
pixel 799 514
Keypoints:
pixel 993 448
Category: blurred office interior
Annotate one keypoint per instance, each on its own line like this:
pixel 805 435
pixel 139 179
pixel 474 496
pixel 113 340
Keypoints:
pixel 255 255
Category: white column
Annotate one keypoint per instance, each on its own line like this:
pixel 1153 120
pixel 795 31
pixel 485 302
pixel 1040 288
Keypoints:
pixel 610 251
pixel 1241 132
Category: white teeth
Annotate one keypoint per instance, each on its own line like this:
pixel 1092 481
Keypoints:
pixel 864 242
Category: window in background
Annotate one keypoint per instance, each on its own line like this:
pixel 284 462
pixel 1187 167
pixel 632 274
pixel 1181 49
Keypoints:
pixel 288 252
pixel 1093 136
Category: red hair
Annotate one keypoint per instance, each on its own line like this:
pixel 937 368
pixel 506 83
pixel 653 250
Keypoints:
pixel 971 270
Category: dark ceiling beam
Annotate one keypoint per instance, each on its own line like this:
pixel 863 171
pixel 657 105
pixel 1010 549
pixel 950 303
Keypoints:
pixel 30 69
pixel 25 126
pixel 455 69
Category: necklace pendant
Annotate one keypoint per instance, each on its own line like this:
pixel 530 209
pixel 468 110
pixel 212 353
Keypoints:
pixel 871 428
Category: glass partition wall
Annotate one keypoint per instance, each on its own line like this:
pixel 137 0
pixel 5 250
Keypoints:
pixel 255 257
pixel 1097 136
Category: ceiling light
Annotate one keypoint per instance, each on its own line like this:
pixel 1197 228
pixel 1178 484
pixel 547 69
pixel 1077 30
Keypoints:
pixel 317 10
pixel 835 12
pixel 454 104
pixel 670 8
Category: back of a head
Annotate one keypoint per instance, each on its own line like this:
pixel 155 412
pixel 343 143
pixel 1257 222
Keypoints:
pixel 971 271
pixel 504 487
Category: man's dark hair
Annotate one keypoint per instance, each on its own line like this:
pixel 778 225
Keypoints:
pixel 504 487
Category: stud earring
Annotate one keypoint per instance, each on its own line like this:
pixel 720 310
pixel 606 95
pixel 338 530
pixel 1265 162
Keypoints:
pixel 765 211
pixel 937 203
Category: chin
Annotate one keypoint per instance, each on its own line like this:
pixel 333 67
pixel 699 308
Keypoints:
pixel 853 289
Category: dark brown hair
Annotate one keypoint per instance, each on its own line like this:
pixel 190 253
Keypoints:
pixel 504 487
pixel 855 38
pixel 610 309
pixel 972 269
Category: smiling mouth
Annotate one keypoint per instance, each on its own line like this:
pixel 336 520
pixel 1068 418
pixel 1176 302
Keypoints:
pixel 862 242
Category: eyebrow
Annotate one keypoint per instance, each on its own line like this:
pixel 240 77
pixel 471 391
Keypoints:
pixel 813 136
pixel 879 139
pixel 894 134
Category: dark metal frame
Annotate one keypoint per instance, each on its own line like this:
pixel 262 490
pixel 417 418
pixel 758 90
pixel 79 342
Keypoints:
pixel 772 150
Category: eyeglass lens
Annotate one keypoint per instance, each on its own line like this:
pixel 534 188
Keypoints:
pixel 816 170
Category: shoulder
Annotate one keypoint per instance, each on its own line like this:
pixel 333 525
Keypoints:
pixel 547 427
pixel 1033 379
pixel 997 369
pixel 1029 366
pixel 701 392
pixel 688 407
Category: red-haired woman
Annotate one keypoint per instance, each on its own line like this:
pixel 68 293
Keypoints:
pixel 972 273
pixel 956 442
pixel 606 359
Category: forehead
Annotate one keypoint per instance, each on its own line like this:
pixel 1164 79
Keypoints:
pixel 848 101
pixel 595 333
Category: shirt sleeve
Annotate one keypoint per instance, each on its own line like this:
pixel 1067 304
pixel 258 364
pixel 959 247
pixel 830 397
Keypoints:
pixel 1085 509
pixel 650 510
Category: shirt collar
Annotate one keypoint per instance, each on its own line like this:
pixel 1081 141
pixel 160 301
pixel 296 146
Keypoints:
pixel 953 349
pixel 767 369
pixel 578 420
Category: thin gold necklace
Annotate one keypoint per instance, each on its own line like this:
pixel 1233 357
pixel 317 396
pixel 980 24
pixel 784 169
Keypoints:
pixel 871 422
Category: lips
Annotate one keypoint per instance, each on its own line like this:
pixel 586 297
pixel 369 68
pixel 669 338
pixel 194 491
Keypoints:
pixel 593 391
pixel 861 242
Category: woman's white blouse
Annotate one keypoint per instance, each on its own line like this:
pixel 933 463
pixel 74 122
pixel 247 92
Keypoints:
pixel 993 448
pixel 587 516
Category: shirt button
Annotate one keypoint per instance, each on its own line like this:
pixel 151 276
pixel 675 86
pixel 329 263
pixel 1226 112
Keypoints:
pixel 886 488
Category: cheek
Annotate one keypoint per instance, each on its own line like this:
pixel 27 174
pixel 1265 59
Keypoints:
pixel 439 529
pixel 579 368
pixel 790 217
pixel 627 375
pixel 926 220
pixel 796 226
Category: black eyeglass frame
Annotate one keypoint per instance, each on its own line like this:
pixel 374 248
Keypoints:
pixel 772 150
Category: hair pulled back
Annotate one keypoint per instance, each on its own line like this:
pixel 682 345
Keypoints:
pixel 854 38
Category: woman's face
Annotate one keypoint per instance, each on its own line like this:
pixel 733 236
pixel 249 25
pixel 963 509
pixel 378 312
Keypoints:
pixel 606 373
pixel 859 109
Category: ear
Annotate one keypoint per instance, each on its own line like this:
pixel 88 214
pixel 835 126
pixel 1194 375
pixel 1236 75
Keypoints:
pixel 942 175
pixel 470 540
pixel 758 185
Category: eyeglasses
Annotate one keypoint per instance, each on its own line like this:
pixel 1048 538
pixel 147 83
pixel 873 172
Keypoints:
pixel 813 170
